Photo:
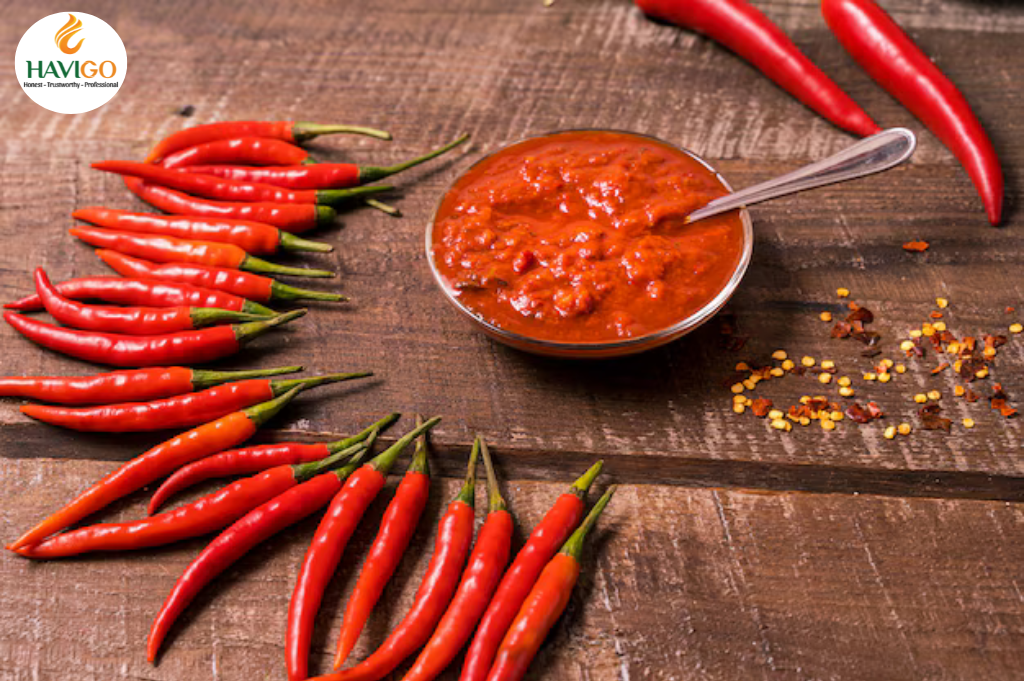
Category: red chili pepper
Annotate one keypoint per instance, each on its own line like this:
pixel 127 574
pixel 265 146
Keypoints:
pixel 256 526
pixel 396 529
pixel 132 321
pixel 289 131
pixel 315 175
pixel 192 347
pixel 169 249
pixel 454 536
pixel 896 63
pixel 547 536
pixel 134 385
pixel 149 293
pixel 211 512
pixel 226 190
pixel 157 462
pixel 251 460
pixel 252 237
pixel 545 603
pixel 180 411
pixel 290 217
pixel 332 535
pixel 486 564
pixel 232 282
pixel 746 31
pixel 257 151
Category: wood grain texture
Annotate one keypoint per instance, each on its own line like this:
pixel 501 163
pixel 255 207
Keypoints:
pixel 902 562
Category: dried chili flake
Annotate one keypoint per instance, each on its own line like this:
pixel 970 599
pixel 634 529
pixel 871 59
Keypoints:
pixel 841 330
pixel 916 246
pixel 857 413
pixel 874 411
pixel 939 369
pixel 971 396
pixel 970 367
pixel 998 401
pixel 931 420
pixel 994 341
pixel 1009 310
pixel 761 406
pixel 861 314
pixel 935 314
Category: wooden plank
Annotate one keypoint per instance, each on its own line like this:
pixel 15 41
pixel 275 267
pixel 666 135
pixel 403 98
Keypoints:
pixel 679 583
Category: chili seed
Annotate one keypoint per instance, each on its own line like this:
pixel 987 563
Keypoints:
pixel 870 376
pixel 968 423
pixel 846 391
pixel 890 433
pixel 749 384
pixel 828 364
pixel 788 364
pixel 740 399
pixel 900 369
pixel 775 414
pixel 903 429
pixel 842 292
pixel 804 421
pixel 934 395
pixel 739 408
pixel 828 425
pixel 942 303
pixel 807 361
pixel 920 398
pixel 927 330
pixel 737 387
pixel 844 381
pixel 836 416
pixel 742 366
pixel 915 333
pixel 825 316
pixel 779 355
pixel 887 363
pixel 777 372
pixel 959 391
pixel 780 424
pixel 824 378
pixel 981 373
pixel 1016 328
pixel 884 377
pixel 907 346
pixel 989 352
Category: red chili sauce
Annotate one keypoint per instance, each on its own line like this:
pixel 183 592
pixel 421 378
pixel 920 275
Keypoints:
pixel 579 237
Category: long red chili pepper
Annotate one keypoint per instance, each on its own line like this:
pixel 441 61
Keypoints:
pixel 556 526
pixel 183 347
pixel 896 63
pixel 157 462
pixel 132 321
pixel 252 237
pixel 211 512
pixel 486 563
pixel 545 603
pixel 250 150
pixel 454 536
pixel 234 282
pixel 289 131
pixel 134 385
pixel 145 292
pixel 180 411
pixel 742 28
pixel 161 248
pixel 396 529
pixel 251 460
pixel 256 526
pixel 221 189
pixel 316 175
pixel 324 553
pixel 290 217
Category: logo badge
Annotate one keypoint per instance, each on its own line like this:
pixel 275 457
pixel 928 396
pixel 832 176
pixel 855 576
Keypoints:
pixel 71 63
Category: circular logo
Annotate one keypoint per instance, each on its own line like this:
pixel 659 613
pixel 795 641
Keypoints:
pixel 71 62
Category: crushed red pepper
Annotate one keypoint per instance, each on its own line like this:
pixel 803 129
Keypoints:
pixel 916 246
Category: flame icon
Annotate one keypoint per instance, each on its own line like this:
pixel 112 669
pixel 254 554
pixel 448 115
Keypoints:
pixel 66 33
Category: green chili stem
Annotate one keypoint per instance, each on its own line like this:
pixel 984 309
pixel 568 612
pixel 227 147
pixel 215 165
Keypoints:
pixel 264 411
pixel 383 461
pixel 279 291
pixel 374 173
pixel 210 316
pixel 290 242
pixel 467 494
pixel 325 215
pixel 574 544
pixel 303 131
pixel 383 207
pixel 253 264
pixel 580 487
pixel 250 307
pixel 494 499
pixel 380 425
pixel 202 379
pixel 419 457
pixel 249 330
pixel 280 387
pixel 305 471
pixel 333 196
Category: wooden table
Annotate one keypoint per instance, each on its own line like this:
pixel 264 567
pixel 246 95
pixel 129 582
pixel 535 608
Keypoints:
pixel 732 551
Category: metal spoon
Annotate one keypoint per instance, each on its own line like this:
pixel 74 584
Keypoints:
pixel 871 155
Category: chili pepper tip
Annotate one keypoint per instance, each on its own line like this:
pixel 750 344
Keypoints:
pixel 583 483
pixel 467 494
pixel 281 387
pixel 374 173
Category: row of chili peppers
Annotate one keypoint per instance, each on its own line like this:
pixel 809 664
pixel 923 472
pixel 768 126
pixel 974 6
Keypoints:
pixel 880 46
pixel 462 591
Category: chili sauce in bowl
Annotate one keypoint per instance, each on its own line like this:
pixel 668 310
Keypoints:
pixel 575 244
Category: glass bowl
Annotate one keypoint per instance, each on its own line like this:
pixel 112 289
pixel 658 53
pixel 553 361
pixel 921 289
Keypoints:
pixel 606 348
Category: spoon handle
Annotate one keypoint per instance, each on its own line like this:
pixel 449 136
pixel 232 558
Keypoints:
pixel 870 155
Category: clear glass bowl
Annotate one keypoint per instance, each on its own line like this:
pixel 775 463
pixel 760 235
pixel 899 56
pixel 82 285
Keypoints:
pixel 600 349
